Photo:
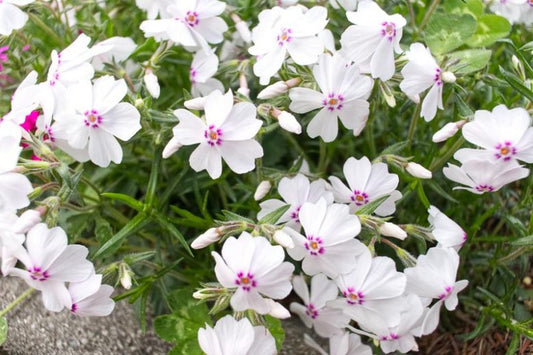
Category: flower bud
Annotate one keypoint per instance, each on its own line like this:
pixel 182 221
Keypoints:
pixel 448 77
pixel 392 230
pixel 209 237
pixel 283 239
pixel 139 103
pixel 447 131
pixel 287 121
pixel 29 219
pixel 243 86
pixel 150 80
pixel 274 90
pixel 197 103
pixel 262 189
pixel 172 147
pixel 242 28
pixel 418 171
pixel 125 280
pixel 277 310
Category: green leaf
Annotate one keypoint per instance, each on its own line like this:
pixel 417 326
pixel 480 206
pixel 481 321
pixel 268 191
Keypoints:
pixel 275 328
pixel 181 327
pixel 3 330
pixel 132 226
pixel 517 84
pixel 273 216
pixel 469 60
pixel 439 190
pixel 523 241
pixel 489 29
pixel 145 50
pixel 472 7
pixel 369 208
pixel 446 32
pixel 513 345
pixel 236 217
pixel 128 200
pixel 396 148
pixel 166 224
pixel 422 194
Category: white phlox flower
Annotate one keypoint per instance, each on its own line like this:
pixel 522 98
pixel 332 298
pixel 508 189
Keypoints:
pixel 49 263
pixel 295 192
pixel 434 277
pixel 115 49
pixel 328 245
pixel 204 66
pixel 348 344
pixel 11 17
pixel 504 134
pixel 91 298
pixel 484 176
pixel 326 321
pixel 371 289
pixel 371 42
pixel 281 31
pixel 343 95
pixel 419 74
pixel 253 268
pixel 366 183
pixel 227 133
pixel 448 233
pixel 402 336
pixel 154 8
pixel 191 23
pixel 236 337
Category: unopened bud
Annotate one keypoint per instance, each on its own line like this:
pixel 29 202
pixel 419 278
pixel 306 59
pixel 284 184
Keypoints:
pixel 418 171
pixel 125 276
pixel 448 77
pixel 196 103
pixel 172 147
pixel 150 80
pixel 392 230
pixel 283 239
pixel 29 219
pixel 209 237
pixel 262 189
pixel 516 62
pixel 277 310
pixel 139 103
pixel 278 88
pixel 242 28
pixel 243 85
pixel 287 121
pixel 447 131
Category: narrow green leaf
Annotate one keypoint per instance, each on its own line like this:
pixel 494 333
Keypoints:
pixel 523 241
pixel 152 181
pixel 516 84
pixel 230 216
pixel 439 190
pixel 128 200
pixel 513 345
pixel 3 330
pixel 489 29
pixel 166 224
pixel 131 227
pixel 275 215
pixel 396 148
pixel 445 32
pixel 422 194
pixel 369 208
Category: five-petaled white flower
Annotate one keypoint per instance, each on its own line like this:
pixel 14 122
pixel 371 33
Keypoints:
pixel 295 192
pixel 191 23
pixel 327 321
pixel 367 182
pixel 236 337
pixel 281 31
pixel 227 133
pixel 253 268
pixel 420 73
pixel 372 288
pixel 50 262
pixel 506 135
pixel 97 117
pixel 343 95
pixel 329 245
pixel 370 43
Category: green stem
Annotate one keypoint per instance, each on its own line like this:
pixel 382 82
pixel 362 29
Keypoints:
pixel 412 126
pixel 442 160
pixel 19 299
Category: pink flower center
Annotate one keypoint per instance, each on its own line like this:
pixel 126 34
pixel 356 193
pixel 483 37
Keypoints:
pixel 285 36
pixel 74 308
pixel 192 19
pixel 212 135
pixel 484 188
pixel 295 215
pixel 505 151
pixel 447 291
pixel 530 3
pixel 388 29
pixel 37 274
pixel 438 78
pixel 245 281
pixel 333 101
pixel 192 75
pixel 353 297
pixel 92 119
pixel 391 336
pixel 311 311
pixel 360 198
pixel 314 245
